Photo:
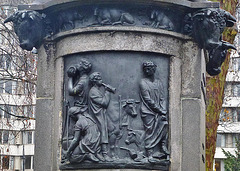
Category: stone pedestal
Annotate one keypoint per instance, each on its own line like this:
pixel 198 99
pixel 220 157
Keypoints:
pixel 186 85
pixel 121 47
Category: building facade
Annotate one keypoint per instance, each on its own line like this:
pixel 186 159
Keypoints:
pixel 17 97
pixel 229 121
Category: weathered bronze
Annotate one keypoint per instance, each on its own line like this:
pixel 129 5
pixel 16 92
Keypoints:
pixel 206 27
pixel 115 107
pixel 25 25
pixel 131 119
pixel 153 113
pixel 210 21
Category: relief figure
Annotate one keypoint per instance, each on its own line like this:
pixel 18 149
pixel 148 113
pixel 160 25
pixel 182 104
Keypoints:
pixel 153 113
pixel 78 82
pixel 66 19
pixel 118 118
pixel 99 101
pixel 78 88
pixel 160 20
pixel 113 17
pixel 86 142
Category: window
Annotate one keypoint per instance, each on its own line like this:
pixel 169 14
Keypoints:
pixel 221 140
pixel 28 162
pixel 2 61
pixel 14 87
pixel 236 90
pixel 1 38
pixel 236 64
pixel 7 110
pixel 226 115
pixel 1 86
pixel 33 111
pixel 26 88
pixel 28 137
pixel 1 133
pixel 5 162
pixel 236 115
pixel 8 87
pixel 1 111
pixel 217 165
pixel 28 111
pixel 235 138
pixel 13 110
pixel 6 62
pixel 11 138
pixel 11 163
pixel 22 88
pixel 5 137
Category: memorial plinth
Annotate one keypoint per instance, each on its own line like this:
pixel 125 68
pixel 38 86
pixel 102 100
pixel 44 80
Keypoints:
pixel 121 84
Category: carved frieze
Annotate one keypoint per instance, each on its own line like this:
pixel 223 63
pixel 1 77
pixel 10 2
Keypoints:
pixel 116 121
pixel 205 25
pixel 50 23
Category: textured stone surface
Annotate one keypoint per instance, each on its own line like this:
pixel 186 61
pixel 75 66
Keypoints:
pixel 193 130
pixel 191 70
pixel 42 4
pixel 43 135
pixel 175 115
pixel 186 103
pixel 114 170
pixel 58 109
pixel 46 70
pixel 164 42
pixel 193 108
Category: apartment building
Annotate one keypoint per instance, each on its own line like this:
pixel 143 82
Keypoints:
pixel 229 121
pixel 17 98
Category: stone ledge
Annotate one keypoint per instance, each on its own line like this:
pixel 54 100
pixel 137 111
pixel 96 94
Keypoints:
pixel 184 3
pixel 120 29
pixel 113 170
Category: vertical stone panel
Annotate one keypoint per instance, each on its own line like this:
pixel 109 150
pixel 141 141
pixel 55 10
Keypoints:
pixel 45 111
pixel 43 135
pixel 175 114
pixel 191 137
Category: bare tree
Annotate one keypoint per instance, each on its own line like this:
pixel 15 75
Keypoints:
pixel 18 77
